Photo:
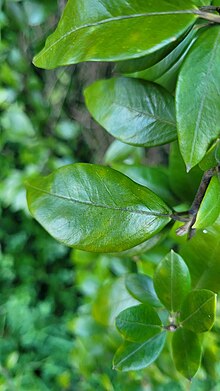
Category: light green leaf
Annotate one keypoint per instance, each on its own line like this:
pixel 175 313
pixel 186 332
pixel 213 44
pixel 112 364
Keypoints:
pixel 211 159
pixel 210 207
pixel 141 287
pixel 134 111
pixel 112 298
pixel 198 82
pixel 118 152
pixel 95 208
pixel 187 352
pixel 198 310
pixel 138 323
pixel 133 356
pixel 202 256
pixel 172 281
pixel 90 30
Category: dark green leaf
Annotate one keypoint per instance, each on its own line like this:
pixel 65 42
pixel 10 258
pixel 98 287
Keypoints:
pixel 90 30
pixel 210 207
pixel 182 184
pixel 187 352
pixel 198 82
pixel 156 71
pixel 141 287
pixel 133 356
pixel 172 281
pixel 95 208
pixel 138 323
pixel 134 111
pixel 198 310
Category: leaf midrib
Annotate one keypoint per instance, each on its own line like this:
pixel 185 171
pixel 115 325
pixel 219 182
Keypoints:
pixel 197 310
pixel 121 209
pixel 114 19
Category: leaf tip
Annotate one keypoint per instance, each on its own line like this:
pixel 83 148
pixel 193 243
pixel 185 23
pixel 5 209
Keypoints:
pixel 188 168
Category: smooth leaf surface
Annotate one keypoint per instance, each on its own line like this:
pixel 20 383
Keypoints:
pixel 94 30
pixel 154 178
pixel 111 299
pixel 155 71
pixel 118 152
pixel 141 287
pixel 182 184
pixel 202 256
pixel 210 207
pixel 95 208
pixel 134 356
pixel 134 111
pixel 138 323
pixel 172 281
pixel 187 352
pixel 198 310
pixel 198 82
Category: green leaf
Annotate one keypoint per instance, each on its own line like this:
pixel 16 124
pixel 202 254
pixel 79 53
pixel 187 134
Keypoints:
pixel 187 352
pixel 210 207
pixel 95 208
pixel 133 356
pixel 134 111
pixel 118 152
pixel 138 323
pixel 198 311
pixel 141 288
pixel 172 281
pixel 159 68
pixel 198 82
pixel 90 30
pixel 112 298
pixel 182 184
pixel 202 256
pixel 211 159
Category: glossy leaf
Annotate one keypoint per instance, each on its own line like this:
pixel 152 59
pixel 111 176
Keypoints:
pixel 172 281
pixel 138 323
pixel 111 299
pixel 198 310
pixel 187 352
pixel 95 208
pixel 141 288
pixel 198 82
pixel 133 356
pixel 211 158
pixel 144 246
pixel 202 256
pixel 155 71
pixel 90 30
pixel 154 178
pixel 134 111
pixel 210 207
pixel 118 152
pixel 183 184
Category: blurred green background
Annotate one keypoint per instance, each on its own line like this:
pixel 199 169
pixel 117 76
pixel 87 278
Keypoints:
pixel 57 306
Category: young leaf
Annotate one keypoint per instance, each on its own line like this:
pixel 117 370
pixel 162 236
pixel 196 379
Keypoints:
pixel 90 30
pixel 187 352
pixel 210 207
pixel 198 310
pixel 95 208
pixel 138 323
pixel 141 287
pixel 172 281
pixel 133 356
pixel 134 111
pixel 199 78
